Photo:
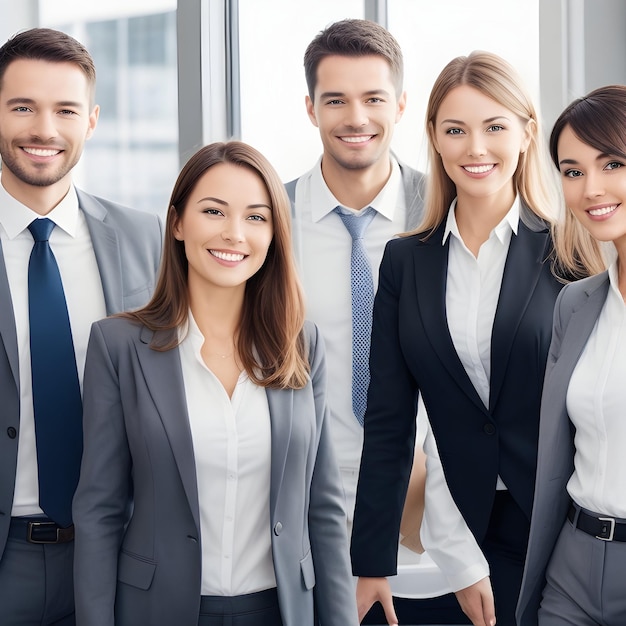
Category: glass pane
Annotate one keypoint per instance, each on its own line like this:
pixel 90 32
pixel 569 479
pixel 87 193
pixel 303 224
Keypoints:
pixel 132 157
pixel 273 37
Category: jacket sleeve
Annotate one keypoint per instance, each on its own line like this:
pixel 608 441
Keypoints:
pixel 389 437
pixel 102 500
pixel 335 598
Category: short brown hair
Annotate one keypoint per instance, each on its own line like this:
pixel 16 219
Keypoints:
pixel 353 38
pixel 270 340
pixel 46 44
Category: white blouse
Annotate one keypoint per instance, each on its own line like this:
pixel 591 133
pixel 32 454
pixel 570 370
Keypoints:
pixel 596 404
pixel 232 451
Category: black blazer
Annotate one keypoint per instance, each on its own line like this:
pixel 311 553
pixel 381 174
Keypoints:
pixel 412 351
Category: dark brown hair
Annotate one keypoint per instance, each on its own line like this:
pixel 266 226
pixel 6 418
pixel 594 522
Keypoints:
pixel 599 120
pixel 46 44
pixel 353 38
pixel 269 337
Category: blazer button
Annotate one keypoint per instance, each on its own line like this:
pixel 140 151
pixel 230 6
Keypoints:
pixel 278 527
pixel 489 429
pixel 12 432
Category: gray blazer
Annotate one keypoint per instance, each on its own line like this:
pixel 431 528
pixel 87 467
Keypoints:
pixel 138 553
pixel 414 184
pixel 576 310
pixel 127 245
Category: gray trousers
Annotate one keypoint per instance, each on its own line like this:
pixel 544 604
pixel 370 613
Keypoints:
pixel 36 584
pixel 586 582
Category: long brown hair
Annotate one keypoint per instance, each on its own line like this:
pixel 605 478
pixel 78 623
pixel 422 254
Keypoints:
pixel 599 120
pixel 269 337
pixel 495 78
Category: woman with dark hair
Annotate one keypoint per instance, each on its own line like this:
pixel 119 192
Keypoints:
pixel 209 493
pixel 576 562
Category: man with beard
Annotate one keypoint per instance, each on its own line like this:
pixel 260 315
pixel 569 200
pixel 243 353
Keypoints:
pixel 66 259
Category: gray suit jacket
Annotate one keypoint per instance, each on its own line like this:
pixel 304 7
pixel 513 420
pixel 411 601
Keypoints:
pixel 414 184
pixel 127 245
pixel 143 566
pixel 576 311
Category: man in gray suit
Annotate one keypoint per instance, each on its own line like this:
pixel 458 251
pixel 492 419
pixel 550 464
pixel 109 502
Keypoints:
pixel 106 257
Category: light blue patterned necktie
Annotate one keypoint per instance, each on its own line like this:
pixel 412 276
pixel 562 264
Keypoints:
pixel 362 289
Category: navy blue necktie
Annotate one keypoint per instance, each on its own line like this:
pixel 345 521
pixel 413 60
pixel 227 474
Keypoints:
pixel 56 391
pixel 362 290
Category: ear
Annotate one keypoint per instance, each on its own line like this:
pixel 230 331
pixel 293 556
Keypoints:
pixel 401 106
pixel 530 130
pixel 430 129
pixel 176 229
pixel 93 120
pixel 310 109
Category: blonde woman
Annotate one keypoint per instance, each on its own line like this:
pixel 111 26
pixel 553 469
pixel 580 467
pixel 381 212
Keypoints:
pixel 463 314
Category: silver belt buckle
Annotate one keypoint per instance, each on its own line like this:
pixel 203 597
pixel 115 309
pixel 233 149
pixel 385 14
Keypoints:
pixel 611 520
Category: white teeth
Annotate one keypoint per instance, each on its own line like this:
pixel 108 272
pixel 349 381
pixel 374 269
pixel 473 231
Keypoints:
pixel 227 256
pixel 478 169
pixel 359 139
pixel 41 152
pixel 603 210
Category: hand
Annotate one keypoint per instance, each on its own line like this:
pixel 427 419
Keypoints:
pixel 477 603
pixel 370 590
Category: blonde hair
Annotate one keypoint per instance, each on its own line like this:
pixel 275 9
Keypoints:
pixel 495 78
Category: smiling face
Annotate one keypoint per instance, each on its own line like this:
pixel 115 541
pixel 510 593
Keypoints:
pixel 226 227
pixel 480 142
pixel 355 109
pixel 594 187
pixel 45 119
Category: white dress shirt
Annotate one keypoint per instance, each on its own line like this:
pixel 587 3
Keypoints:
pixel 596 398
pixel 232 453
pixel 472 292
pixel 71 244
pixel 323 248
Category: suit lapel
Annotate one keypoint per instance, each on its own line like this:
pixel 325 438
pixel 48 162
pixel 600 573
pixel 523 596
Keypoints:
pixel 7 322
pixel 577 334
pixel 431 271
pixel 106 249
pixel 281 408
pixel 524 263
pixel 164 380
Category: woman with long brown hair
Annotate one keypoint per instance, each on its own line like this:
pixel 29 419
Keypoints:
pixel 209 490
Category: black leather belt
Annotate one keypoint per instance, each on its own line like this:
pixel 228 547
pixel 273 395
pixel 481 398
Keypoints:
pixel 599 526
pixel 39 531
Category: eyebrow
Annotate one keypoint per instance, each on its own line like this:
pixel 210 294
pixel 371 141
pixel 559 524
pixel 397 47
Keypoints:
pixel 64 103
pixel 600 157
pixel 260 205
pixel 487 121
pixel 341 94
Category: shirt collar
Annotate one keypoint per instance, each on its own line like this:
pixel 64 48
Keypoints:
pixel 15 216
pixel 509 223
pixel 614 283
pixel 390 197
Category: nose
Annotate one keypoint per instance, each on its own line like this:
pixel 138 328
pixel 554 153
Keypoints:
pixel 476 145
pixel 43 127
pixel 593 185
pixel 233 231
pixel 356 116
